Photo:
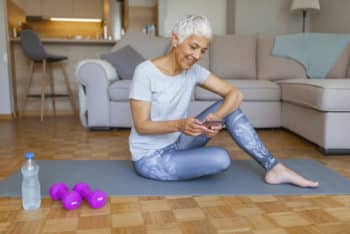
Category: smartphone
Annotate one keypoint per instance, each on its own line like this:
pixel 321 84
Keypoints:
pixel 211 123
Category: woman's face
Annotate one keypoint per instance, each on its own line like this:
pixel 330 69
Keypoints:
pixel 190 50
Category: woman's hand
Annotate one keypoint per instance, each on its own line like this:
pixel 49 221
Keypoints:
pixel 213 130
pixel 191 127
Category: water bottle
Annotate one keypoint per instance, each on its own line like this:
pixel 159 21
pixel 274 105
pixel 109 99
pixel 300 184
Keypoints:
pixel 31 198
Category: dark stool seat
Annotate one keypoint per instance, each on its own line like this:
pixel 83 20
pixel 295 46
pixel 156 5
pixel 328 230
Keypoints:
pixel 55 58
pixel 52 58
pixel 34 50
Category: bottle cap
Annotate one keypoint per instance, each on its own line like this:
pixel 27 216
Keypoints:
pixel 29 155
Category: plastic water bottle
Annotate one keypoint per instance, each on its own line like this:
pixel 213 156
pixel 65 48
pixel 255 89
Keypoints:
pixel 31 197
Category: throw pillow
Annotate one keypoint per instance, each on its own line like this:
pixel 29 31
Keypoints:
pixel 124 61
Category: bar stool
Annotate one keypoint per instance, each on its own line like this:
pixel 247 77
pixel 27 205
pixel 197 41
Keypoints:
pixel 34 50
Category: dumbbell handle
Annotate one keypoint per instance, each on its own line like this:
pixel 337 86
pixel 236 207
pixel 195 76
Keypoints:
pixel 62 193
pixel 58 190
pixel 83 189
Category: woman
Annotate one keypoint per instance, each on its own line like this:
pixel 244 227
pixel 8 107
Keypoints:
pixel 166 144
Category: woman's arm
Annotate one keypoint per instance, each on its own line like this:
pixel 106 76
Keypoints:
pixel 140 111
pixel 231 95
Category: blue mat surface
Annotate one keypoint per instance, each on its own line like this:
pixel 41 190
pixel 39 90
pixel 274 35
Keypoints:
pixel 118 178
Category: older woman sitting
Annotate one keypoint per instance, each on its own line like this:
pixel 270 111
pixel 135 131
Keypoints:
pixel 164 142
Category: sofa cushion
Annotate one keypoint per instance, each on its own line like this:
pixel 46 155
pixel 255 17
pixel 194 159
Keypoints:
pixel 124 61
pixel 119 90
pixel 148 46
pixel 233 56
pixel 322 95
pixel 252 90
pixel 271 67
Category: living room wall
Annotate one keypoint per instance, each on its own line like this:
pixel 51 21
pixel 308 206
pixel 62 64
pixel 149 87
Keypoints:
pixel 333 17
pixel 234 16
pixel 272 16
pixel 170 11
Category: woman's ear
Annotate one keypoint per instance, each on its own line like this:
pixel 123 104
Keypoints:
pixel 174 39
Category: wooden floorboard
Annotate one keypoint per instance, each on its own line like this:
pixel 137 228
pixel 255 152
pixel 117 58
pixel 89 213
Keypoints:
pixel 63 138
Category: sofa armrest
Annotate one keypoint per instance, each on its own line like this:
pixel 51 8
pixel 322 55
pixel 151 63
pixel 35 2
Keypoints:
pixel 94 77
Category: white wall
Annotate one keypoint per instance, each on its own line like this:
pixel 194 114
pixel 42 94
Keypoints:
pixel 5 90
pixel 334 17
pixel 266 16
pixel 171 10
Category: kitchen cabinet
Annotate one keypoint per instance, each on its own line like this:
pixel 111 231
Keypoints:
pixel 30 7
pixel 88 8
pixel 62 8
pixel 54 8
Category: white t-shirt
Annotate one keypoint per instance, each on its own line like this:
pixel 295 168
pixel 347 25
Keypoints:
pixel 169 96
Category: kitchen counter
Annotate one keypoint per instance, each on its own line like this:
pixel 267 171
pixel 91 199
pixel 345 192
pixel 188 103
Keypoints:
pixel 71 41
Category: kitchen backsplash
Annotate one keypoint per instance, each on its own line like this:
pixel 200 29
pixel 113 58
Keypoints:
pixel 71 30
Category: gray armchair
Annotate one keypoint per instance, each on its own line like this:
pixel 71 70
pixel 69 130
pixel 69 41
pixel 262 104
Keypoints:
pixel 94 77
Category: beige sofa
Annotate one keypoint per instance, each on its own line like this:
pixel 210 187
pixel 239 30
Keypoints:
pixel 276 90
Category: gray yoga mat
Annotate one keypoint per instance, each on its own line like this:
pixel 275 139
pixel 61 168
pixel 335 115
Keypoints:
pixel 118 178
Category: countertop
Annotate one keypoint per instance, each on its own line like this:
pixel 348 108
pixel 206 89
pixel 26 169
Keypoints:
pixel 70 41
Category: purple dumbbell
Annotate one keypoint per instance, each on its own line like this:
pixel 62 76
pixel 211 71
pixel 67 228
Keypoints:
pixel 70 199
pixel 96 198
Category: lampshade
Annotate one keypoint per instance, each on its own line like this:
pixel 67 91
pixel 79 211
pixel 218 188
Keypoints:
pixel 308 5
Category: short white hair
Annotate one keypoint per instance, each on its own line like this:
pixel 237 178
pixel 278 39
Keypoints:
pixel 192 25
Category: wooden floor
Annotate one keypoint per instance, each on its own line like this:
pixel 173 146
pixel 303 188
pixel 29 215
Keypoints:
pixel 64 138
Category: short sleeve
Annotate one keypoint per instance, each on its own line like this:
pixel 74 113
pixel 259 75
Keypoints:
pixel 141 85
pixel 201 73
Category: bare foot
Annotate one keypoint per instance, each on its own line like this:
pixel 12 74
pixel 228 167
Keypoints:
pixel 280 174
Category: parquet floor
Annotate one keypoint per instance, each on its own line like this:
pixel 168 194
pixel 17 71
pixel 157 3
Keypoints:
pixel 64 138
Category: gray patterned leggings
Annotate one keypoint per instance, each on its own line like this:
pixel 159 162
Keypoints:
pixel 188 158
